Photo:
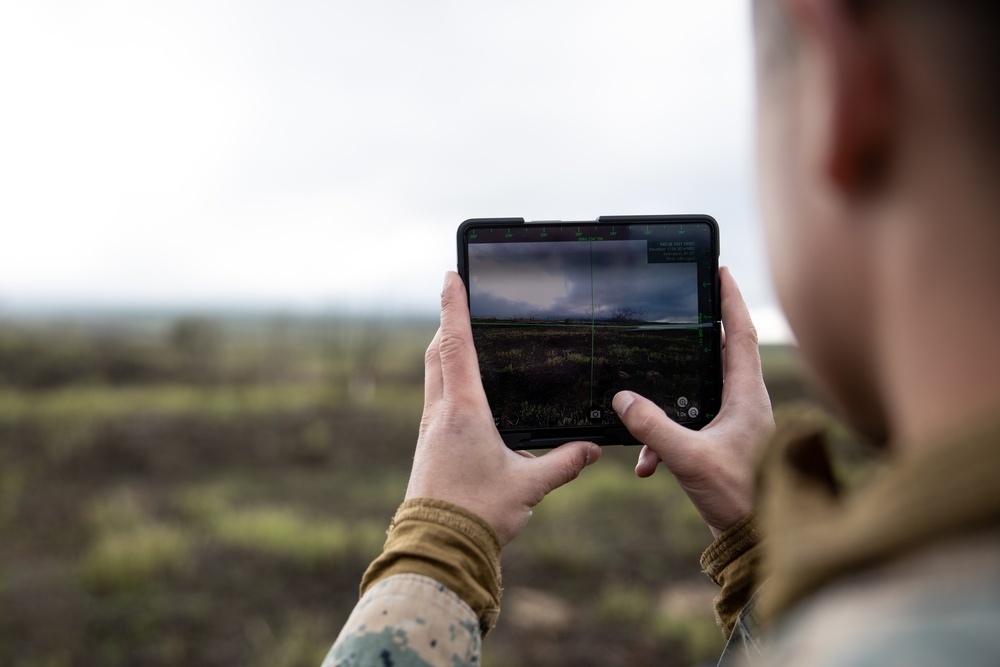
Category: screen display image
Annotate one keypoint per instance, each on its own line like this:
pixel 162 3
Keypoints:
pixel 565 315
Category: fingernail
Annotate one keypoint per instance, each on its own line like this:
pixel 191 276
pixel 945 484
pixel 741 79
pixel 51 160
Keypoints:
pixel 590 455
pixel 622 401
pixel 447 280
pixel 642 458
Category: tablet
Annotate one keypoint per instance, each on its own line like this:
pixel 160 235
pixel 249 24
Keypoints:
pixel 567 314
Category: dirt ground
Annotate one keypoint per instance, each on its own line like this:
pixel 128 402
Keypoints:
pixel 208 493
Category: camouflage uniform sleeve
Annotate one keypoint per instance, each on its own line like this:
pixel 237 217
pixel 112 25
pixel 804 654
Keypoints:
pixel 409 620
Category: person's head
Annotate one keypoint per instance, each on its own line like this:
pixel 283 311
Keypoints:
pixel 864 108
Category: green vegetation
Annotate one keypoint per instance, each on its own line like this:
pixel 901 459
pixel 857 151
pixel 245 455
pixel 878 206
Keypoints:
pixel 281 532
pixel 209 493
pixel 128 560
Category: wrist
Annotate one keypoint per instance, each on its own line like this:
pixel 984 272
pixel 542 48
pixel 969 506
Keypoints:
pixel 449 544
pixel 732 562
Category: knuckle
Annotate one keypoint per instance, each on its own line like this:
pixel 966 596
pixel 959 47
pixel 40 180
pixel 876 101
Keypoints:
pixel 447 300
pixel 452 346
pixel 572 466
pixel 432 353
pixel 746 337
pixel 644 424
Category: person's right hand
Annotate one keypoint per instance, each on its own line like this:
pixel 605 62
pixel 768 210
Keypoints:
pixel 460 457
pixel 714 466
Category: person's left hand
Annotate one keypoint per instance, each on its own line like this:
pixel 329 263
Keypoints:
pixel 460 457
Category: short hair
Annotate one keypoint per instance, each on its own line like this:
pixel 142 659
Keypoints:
pixel 961 34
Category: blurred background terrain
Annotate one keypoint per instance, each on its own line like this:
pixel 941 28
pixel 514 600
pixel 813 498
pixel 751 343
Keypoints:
pixel 208 492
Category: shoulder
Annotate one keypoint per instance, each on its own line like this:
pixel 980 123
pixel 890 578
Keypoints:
pixel 938 606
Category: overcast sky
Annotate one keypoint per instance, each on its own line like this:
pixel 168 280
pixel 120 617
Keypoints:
pixel 567 280
pixel 321 155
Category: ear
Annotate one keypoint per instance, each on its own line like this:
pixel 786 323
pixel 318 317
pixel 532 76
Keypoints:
pixel 856 128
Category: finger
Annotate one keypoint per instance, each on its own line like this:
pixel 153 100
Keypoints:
pixel 648 461
pixel 647 422
pixel 742 358
pixel 459 365
pixel 433 385
pixel 564 464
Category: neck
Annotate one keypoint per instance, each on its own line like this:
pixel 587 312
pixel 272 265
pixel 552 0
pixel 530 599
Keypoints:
pixel 939 312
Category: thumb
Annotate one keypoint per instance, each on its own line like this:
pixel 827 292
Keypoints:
pixel 564 464
pixel 650 425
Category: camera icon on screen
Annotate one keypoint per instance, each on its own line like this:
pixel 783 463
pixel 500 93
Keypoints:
pixel 595 413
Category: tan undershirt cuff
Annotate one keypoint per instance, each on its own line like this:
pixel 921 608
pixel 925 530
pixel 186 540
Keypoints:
pixel 449 544
pixel 731 561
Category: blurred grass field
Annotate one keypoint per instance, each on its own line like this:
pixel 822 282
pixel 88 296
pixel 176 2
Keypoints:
pixel 209 492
